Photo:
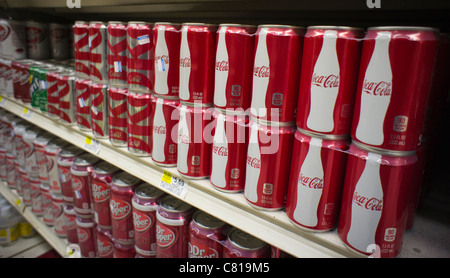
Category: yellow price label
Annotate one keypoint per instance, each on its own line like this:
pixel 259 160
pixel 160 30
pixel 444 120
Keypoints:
pixel 18 202
pixel 167 177
pixel 25 110
pixel 1 98
pixel 88 140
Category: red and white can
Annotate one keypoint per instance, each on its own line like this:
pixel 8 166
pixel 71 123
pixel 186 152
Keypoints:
pixel 36 199
pixel 99 110
pixel 7 77
pixel 81 43
pixel 166 116
pixel 83 103
pixel 22 181
pixel 21 80
pixel 240 244
pixel 229 151
pixel 52 150
pixel 118 112
pixel 124 250
pixel 40 143
pixel 58 214
pixel 330 64
pixel 53 93
pixel 167 38
pixel 145 203
pixel 172 228
pixel 67 97
pixel 375 201
pixel 276 71
pixel 140 56
pixel 206 236
pixel 268 164
pixel 316 181
pixel 25 184
pixel 13 39
pixel 105 243
pixel 101 178
pixel 86 231
pixel 70 224
pixel 197 60
pixel 38 42
pixel 98 59
pixel 31 165
pixel 47 205
pixel 59 41
pixel 117 54
pixel 64 161
pixel 194 141
pixel 140 109
pixel 234 66
pixel 19 144
pixel 81 167
pixel 387 76
pixel 122 191
pixel 2 163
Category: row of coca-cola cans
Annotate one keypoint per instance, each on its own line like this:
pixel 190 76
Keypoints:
pixel 35 40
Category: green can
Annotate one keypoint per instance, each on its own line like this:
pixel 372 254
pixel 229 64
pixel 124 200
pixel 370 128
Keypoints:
pixel 34 85
pixel 42 95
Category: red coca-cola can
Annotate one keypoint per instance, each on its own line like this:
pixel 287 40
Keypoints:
pixel 38 42
pixel 375 201
pixel 118 112
pixel 59 41
pixel 52 150
pixel 229 151
pixel 81 43
pixel 197 60
pixel 36 199
pixel 240 244
pixel 98 59
pixel 122 191
pixel 234 66
pixel 101 177
pixel 105 243
pixel 206 236
pixel 316 181
pixel 117 54
pixel 276 72
pixel 83 103
pixel 123 250
pixel 59 226
pixel 140 109
pixel 13 39
pixel 86 231
pixel 140 56
pixel 166 116
pixel 64 161
pixel 330 63
pixel 382 118
pixel 53 93
pixel 268 164
pixel 167 38
pixel 81 167
pixel 172 228
pixel 67 97
pixel 47 205
pixel 99 110
pixel 194 141
pixel 70 224
pixel 145 203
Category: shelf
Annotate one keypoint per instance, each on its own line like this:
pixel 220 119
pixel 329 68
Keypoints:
pixel 31 247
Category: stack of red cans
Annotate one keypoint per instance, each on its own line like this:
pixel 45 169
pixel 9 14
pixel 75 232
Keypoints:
pixel 276 70
pixel 196 90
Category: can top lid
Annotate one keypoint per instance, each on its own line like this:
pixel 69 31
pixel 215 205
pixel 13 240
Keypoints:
pixel 125 179
pixel 244 240
pixel 105 167
pixel 115 22
pixel 173 204
pixel 198 24
pixel 237 25
pixel 147 191
pixel 332 27
pixel 382 151
pixel 85 159
pixel 207 221
pixel 322 136
pixel 96 22
pixel 166 23
pixel 138 22
pixel 280 26
pixel 70 150
pixel 80 22
pixel 404 28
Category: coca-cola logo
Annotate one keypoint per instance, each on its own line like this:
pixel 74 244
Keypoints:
pixel 159 129
pixel 165 237
pixel 185 62
pixel 373 203
pixel 141 221
pixel 222 66
pixel 77 183
pixel 83 234
pixel 381 88
pixel 221 151
pixel 119 209
pixel 254 162
pixel 5 30
pixel 330 81
pixel 262 71
pixel 165 58
pixel 315 183
pixel 183 139
pixel 35 35
pixel 104 248
pixel 100 191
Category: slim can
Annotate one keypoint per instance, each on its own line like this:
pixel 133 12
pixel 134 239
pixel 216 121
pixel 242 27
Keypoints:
pixel 140 109
pixel 53 93
pixel 52 150
pixel 42 98
pixel 81 47
pixel 64 161
pixel 67 97
pixel 99 110
pixel 83 104
pixel 118 113
pixel 240 244
pixel 98 60
pixel 80 170
pixel 117 54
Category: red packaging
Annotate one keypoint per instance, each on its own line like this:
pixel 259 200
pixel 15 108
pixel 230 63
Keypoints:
pixel 140 56
pixel 86 236
pixel 36 199
pixel 59 226
pixel 234 66
pixel 240 244
pixel 172 228
pixel 330 64
pixel 105 243
pixel 81 167
pixel 194 141
pixel 99 110
pixel 383 119
pixel 117 54
pixel 98 60
pixel 124 250
pixel 64 161
pixel 40 143
pixel 145 203
pixel 140 109
pixel 276 72
pixel 117 111
pixel 229 151
pixel 53 93
pixel 83 104
pixel 70 224
pixel 67 97
pixel 101 177
pixel 122 191
pixel 375 199
pixel 29 137
pixel 81 43
pixel 52 150
pixel 167 38
pixel 21 79
pixel 197 60
pixel 164 136
pixel 316 181
pixel 268 165
pixel 206 236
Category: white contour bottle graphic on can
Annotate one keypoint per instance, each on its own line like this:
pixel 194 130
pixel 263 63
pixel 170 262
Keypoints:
pixel 324 86
pixel 261 73
pixel 219 156
pixel 376 93
pixel 253 167
pixel 183 142
pixel 161 67
pixel 159 140
pixel 185 65
pixel 221 76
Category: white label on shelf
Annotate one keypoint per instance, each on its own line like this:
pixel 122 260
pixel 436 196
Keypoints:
pixel 2 101
pixel 143 39
pixel 92 145
pixel 173 184
pixel 27 113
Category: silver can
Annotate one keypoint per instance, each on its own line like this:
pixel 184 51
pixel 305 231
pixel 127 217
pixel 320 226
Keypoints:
pixel 38 43
pixel 98 59
pixel 59 41
pixel 12 39
pixel 67 97
pixel 99 110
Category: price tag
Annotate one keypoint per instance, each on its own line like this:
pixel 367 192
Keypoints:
pixel 174 184
pixel 27 113
pixel 20 205
pixel 117 66
pixel 92 145
pixel 2 101
pixel 143 39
